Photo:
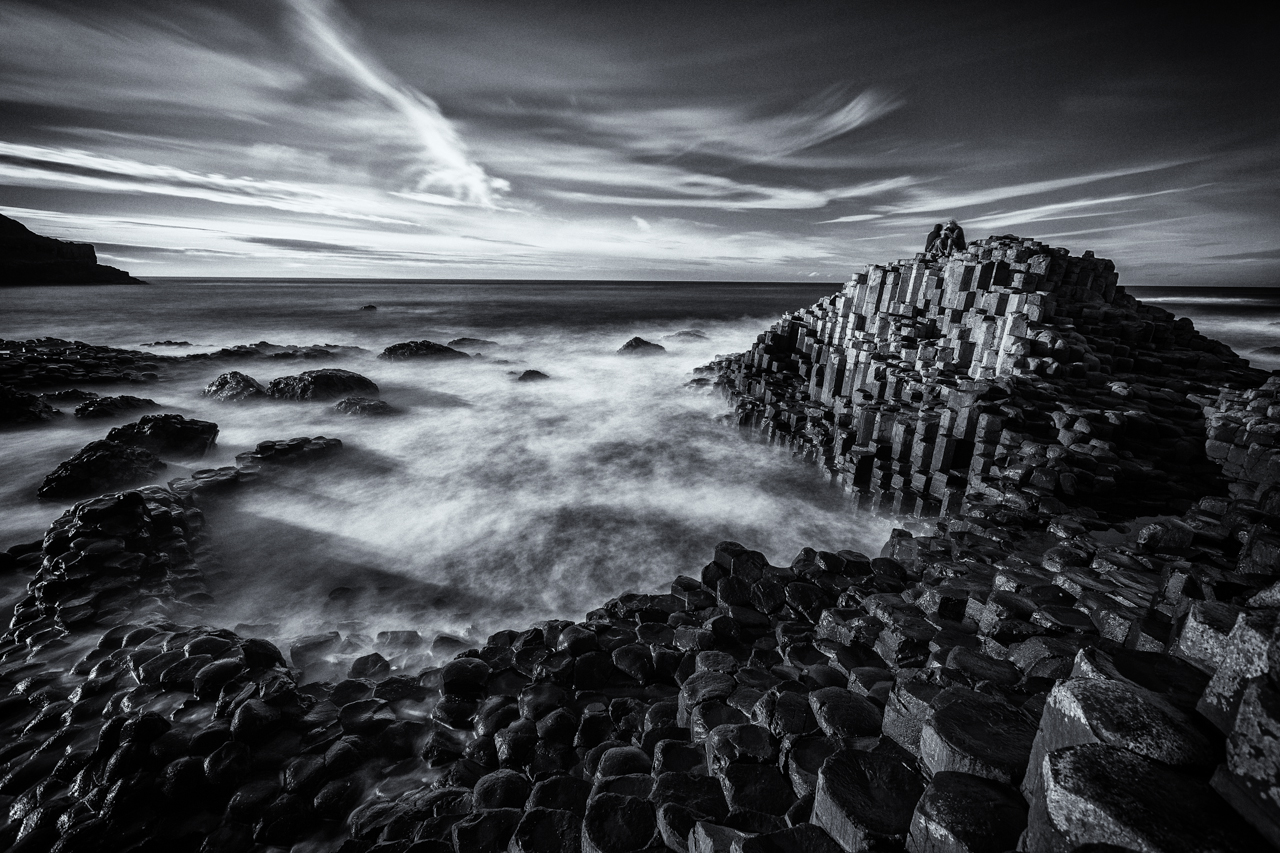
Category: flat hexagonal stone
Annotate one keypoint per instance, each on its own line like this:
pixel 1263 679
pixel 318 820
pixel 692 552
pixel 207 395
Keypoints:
pixel 975 733
pixel 963 813
pixel 547 831
pixel 1098 794
pixel 865 798
pixel 843 713
pixel 616 823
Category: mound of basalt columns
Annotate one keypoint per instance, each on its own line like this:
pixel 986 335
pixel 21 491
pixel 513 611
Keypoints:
pixel 1025 671
pixel 53 362
pixel 100 466
pixel 234 386
pixel 168 434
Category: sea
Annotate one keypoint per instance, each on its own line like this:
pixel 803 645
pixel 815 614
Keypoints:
pixel 485 502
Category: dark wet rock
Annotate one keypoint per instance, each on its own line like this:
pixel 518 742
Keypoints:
pixel 486 831
pixel 100 466
pixel 329 383
pixel 1097 794
pixel 841 713
pixel 363 406
pixel 547 831
pixel 563 793
pixel 864 799
pixel 421 350
pixel 532 376
pixel 18 408
pixel 686 335
pixel 294 451
pixel 639 346
pixel 167 434
pixel 962 813
pixel 234 386
pixel 472 343
pixel 756 787
pixel 616 823
pixel 111 407
pixel 971 732
pixel 372 666
pixel 502 789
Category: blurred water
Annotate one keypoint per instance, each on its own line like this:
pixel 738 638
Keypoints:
pixel 486 503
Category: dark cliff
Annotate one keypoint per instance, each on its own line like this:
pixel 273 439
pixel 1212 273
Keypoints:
pixel 29 258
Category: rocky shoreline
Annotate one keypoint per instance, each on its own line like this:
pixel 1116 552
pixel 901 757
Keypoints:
pixel 1071 643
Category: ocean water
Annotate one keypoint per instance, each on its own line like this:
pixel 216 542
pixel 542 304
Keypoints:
pixel 486 503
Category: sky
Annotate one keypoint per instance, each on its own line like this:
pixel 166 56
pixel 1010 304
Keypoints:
pixel 686 140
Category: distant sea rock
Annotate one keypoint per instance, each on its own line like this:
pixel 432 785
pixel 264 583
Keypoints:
pixel 19 407
pixel 110 407
pixel 363 406
pixel 420 349
pixel 234 386
pixel 28 258
pixel 168 433
pixel 1267 351
pixel 472 343
pixel 100 466
pixel 686 335
pixel 639 346
pixel 328 384
pixel 532 376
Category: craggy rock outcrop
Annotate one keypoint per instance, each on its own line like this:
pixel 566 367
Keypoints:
pixel 98 467
pixel 532 376
pixel 363 406
pixel 328 384
pixel 639 346
pixel 276 352
pixel 420 349
pixel 472 343
pixel 234 387
pixel 28 258
pixel 111 407
pixel 167 434
pixel 18 408
pixel 46 362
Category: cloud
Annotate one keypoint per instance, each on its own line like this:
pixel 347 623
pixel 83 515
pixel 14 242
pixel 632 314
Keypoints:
pixel 642 223
pixel 1247 257
pixel 445 165
pixel 857 217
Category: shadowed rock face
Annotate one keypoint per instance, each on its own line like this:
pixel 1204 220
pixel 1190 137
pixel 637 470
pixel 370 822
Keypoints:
pixel 28 258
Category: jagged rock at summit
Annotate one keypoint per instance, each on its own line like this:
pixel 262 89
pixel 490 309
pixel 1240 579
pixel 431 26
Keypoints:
pixel 327 384
pixel 27 258
pixel 420 350
pixel 639 346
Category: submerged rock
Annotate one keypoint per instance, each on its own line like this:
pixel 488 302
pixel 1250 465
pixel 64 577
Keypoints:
pixel 368 307
pixel 472 343
pixel 326 384
pixel 639 346
pixel 110 407
pixel 686 335
pixel 235 386
pixel 363 406
pixel 100 466
pixel 532 376
pixel 421 349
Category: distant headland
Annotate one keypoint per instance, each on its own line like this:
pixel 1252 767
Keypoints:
pixel 28 258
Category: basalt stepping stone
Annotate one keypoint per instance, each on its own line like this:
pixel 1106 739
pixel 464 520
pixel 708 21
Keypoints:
pixel 905 711
pixel 622 760
pixel 975 733
pixel 487 831
pixel 1090 710
pixel 842 713
pixel 865 799
pixel 1104 795
pixel 803 838
pixel 547 831
pixel 963 813
pixel 562 793
pixel 502 789
pixel 756 787
pixel 703 794
pixel 735 744
pixel 616 823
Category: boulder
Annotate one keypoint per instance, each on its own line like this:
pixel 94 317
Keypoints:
pixel 329 383
pixel 100 466
pixel 617 823
pixel 235 386
pixel 472 343
pixel 421 350
pixel 111 407
pixel 841 713
pixel 167 433
pixel 639 346
pixel 532 376
pixel 18 408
